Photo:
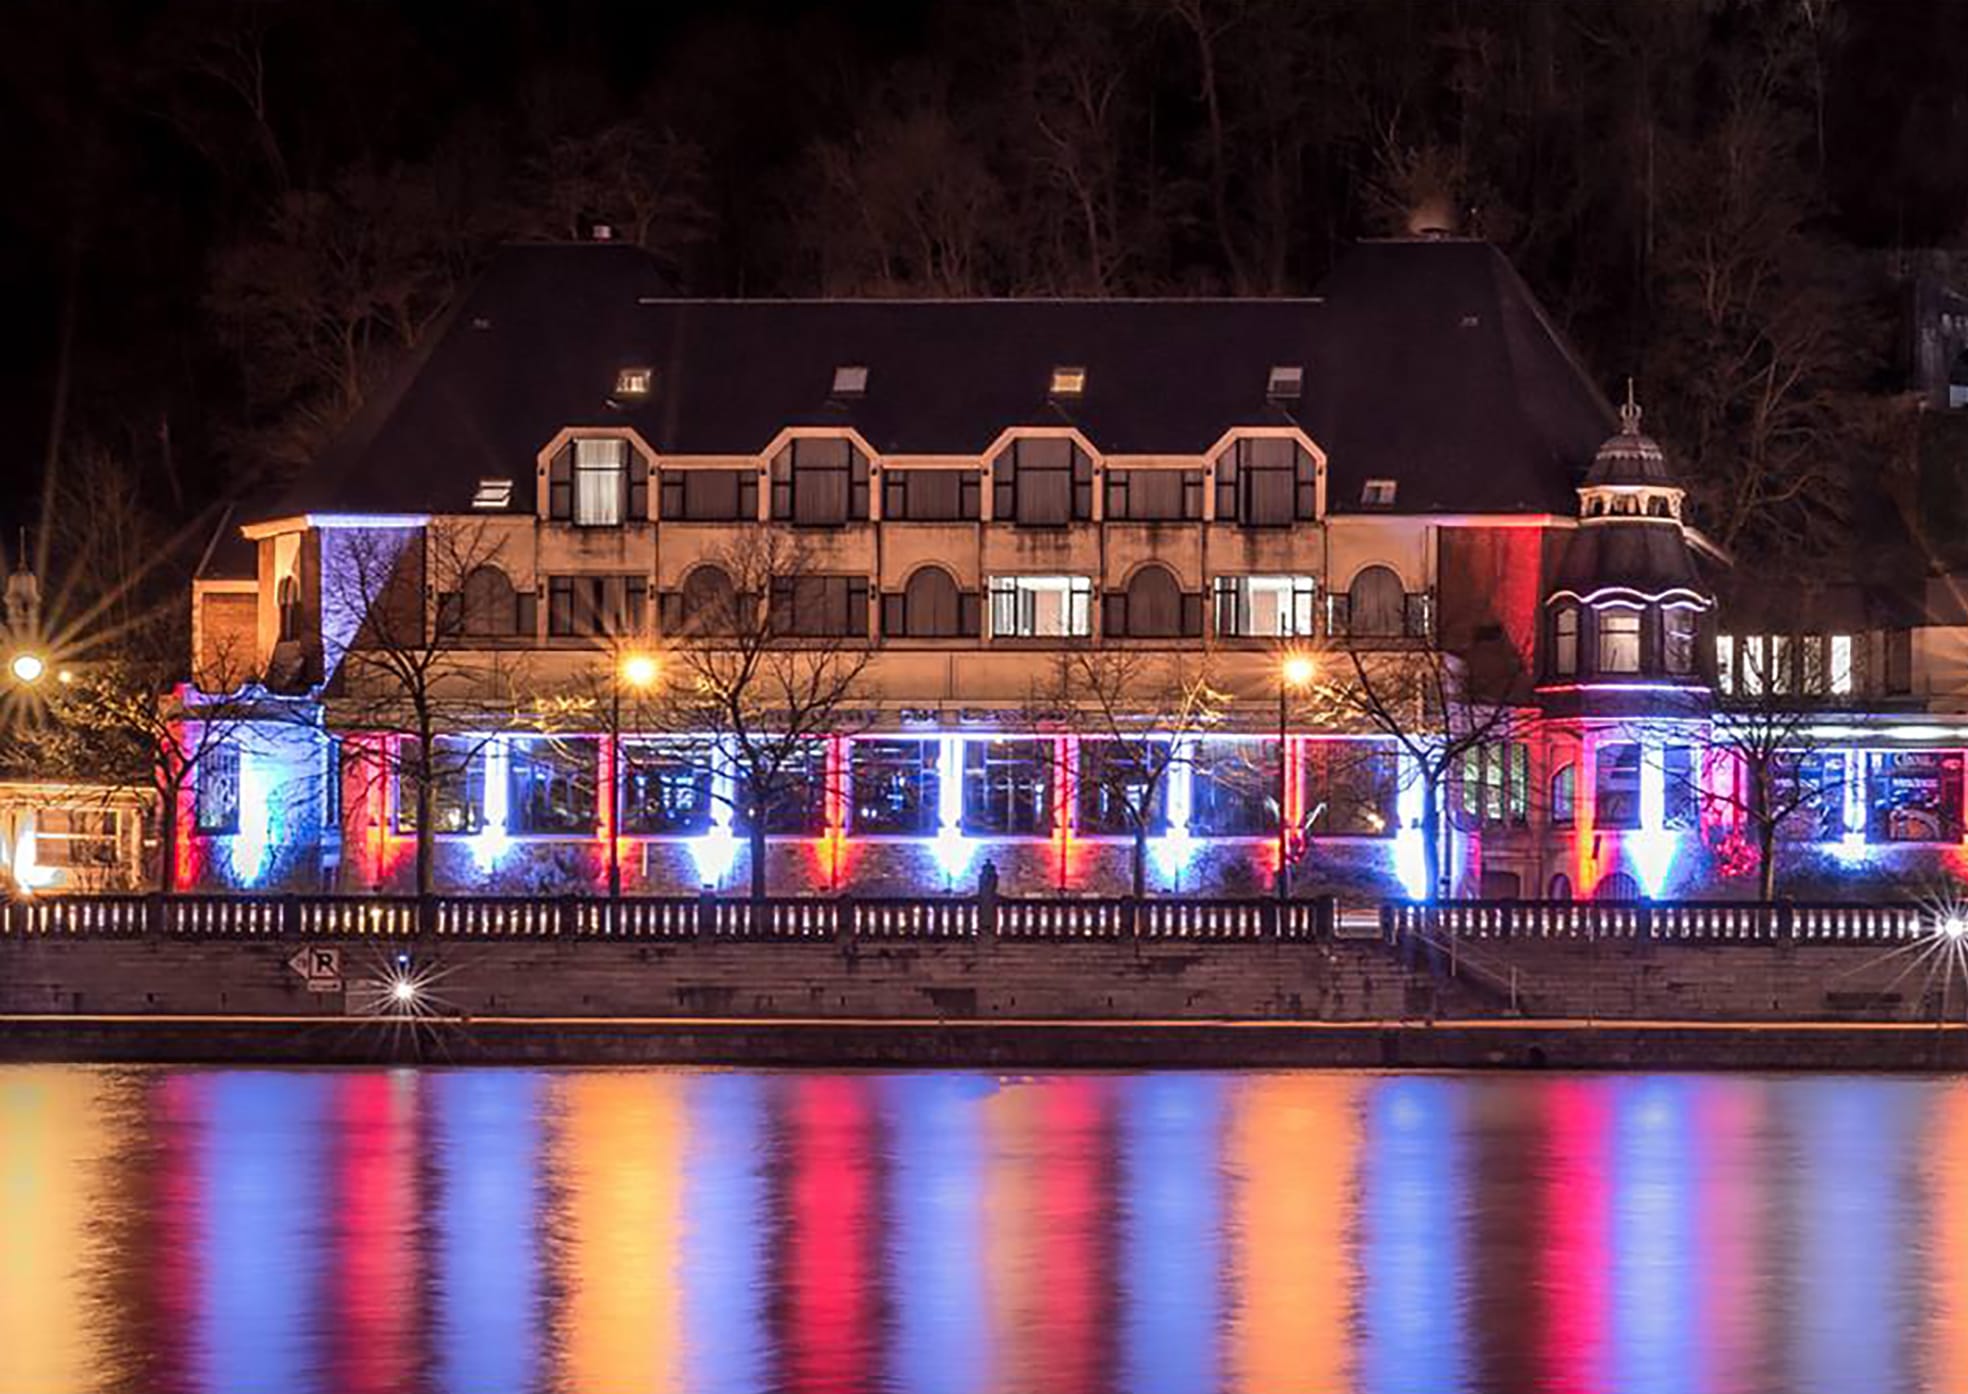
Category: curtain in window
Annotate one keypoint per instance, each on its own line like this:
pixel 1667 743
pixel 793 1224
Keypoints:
pixel 932 606
pixel 598 481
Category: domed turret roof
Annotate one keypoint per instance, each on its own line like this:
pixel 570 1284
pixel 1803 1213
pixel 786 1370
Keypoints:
pixel 1629 458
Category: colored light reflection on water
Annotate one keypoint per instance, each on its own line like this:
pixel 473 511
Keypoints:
pixel 493 1232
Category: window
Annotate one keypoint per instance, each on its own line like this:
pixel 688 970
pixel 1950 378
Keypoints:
pixel 707 604
pixel 1783 675
pixel 1267 607
pixel 457 785
pixel 709 496
pixel 1378 493
pixel 81 838
pixel 1618 887
pixel 1008 787
pixel 1041 607
pixel 666 786
pixel 1755 665
pixel 550 785
pixel 1355 790
pixel 820 481
pixel 894 786
pixel 930 607
pixel 1616 801
pixel 600 470
pixel 1914 796
pixel 1152 607
pixel 591 606
pixel 1725 664
pixel 493 494
pixel 1564 796
pixel 1619 640
pixel 1680 787
pixel 1841 665
pixel 1067 382
pixel 1565 641
pixel 816 607
pixel 1286 383
pixel 796 804
pixel 1233 790
pixel 1807 794
pixel 1495 784
pixel 1560 887
pixel 1268 481
pixel 1678 625
pixel 1120 779
pixel 287 598
pixel 1042 482
pixel 217 796
pixel 1376 606
pixel 931 496
pixel 850 380
pixel 633 382
pixel 1154 496
pixel 485 606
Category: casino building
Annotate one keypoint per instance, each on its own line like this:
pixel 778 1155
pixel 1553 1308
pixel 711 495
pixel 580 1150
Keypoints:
pixel 1408 472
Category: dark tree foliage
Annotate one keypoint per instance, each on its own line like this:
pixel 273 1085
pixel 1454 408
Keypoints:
pixel 227 219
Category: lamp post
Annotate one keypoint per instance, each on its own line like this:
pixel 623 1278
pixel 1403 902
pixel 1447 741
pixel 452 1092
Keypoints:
pixel 27 667
pixel 1295 672
pixel 639 671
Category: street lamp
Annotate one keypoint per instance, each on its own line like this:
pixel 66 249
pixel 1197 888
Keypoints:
pixel 638 671
pixel 28 667
pixel 1295 672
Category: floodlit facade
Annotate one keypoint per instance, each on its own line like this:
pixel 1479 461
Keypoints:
pixel 1406 474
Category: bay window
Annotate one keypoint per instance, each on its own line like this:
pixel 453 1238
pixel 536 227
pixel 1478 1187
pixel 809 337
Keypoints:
pixel 1619 640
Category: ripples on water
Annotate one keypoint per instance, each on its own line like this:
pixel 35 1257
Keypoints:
pixel 703 1231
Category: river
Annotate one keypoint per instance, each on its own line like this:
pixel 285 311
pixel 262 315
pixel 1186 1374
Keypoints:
pixel 480 1231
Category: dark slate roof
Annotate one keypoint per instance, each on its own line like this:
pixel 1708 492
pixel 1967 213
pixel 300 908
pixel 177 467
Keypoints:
pixel 1425 362
pixel 1630 458
pixel 1650 559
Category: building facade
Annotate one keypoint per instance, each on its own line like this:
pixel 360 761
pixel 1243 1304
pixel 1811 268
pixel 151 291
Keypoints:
pixel 1529 680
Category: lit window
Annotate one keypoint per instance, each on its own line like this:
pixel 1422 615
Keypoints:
pixel 1007 787
pixel 1619 640
pixel 1286 384
pixel 1616 800
pixel 895 787
pixel 287 600
pixel 1841 665
pixel 633 382
pixel 1564 796
pixel 1782 678
pixel 1234 788
pixel 1678 639
pixel 1725 664
pixel 1041 607
pixel 1266 607
pixel 551 785
pixel 1914 796
pixel 1068 382
pixel 457 785
pixel 666 786
pixel 600 470
pixel 850 380
pixel 493 493
pixel 1120 781
pixel 1811 650
pixel 1565 642
pixel 217 796
pixel 1379 493
pixel 1755 665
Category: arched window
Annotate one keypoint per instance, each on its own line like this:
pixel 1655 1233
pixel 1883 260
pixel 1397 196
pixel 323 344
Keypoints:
pixel 1657 506
pixel 1565 641
pixel 1564 795
pixel 709 604
pixel 490 608
pixel 1561 887
pixel 287 597
pixel 1154 604
pixel 1376 604
pixel 1617 887
pixel 932 606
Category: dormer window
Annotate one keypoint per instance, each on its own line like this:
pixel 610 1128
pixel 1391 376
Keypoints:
pixel 1286 384
pixel 1565 642
pixel 493 494
pixel 850 380
pixel 599 466
pixel 1379 493
pixel 1678 624
pixel 633 383
pixel 1067 382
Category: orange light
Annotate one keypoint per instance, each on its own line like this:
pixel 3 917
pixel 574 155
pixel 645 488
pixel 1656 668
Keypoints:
pixel 640 670
pixel 1298 670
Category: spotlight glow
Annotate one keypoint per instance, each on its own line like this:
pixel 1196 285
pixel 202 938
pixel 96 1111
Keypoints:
pixel 403 992
pixel 28 667
pixel 1952 926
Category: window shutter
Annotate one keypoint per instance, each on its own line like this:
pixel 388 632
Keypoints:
pixel 1308 487
pixel 1192 494
pixel 857 601
pixel 895 613
pixel 1192 614
pixel 1113 615
pixel 638 487
pixel 969 614
pixel 670 494
pixel 1226 487
pixel 857 489
pixel 526 614
pixel 560 484
pixel 1082 486
pixel 1004 487
pixel 782 485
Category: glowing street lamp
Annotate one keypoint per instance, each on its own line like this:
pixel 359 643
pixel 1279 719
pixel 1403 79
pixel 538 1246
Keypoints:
pixel 638 670
pixel 28 667
pixel 1295 672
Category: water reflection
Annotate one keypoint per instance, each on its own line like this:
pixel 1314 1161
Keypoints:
pixel 507 1231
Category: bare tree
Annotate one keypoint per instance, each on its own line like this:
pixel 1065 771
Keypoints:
pixel 399 610
pixel 1141 706
pixel 1420 698
pixel 760 673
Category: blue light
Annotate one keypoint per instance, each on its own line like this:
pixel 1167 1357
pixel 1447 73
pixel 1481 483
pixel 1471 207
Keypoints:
pixel 1651 853
pixel 490 842
pixel 716 850
pixel 1410 852
pixel 1412 1311
pixel 937 1235
pixel 950 848
pixel 486 1147
pixel 248 853
pixel 1175 848
pixel 723 1261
